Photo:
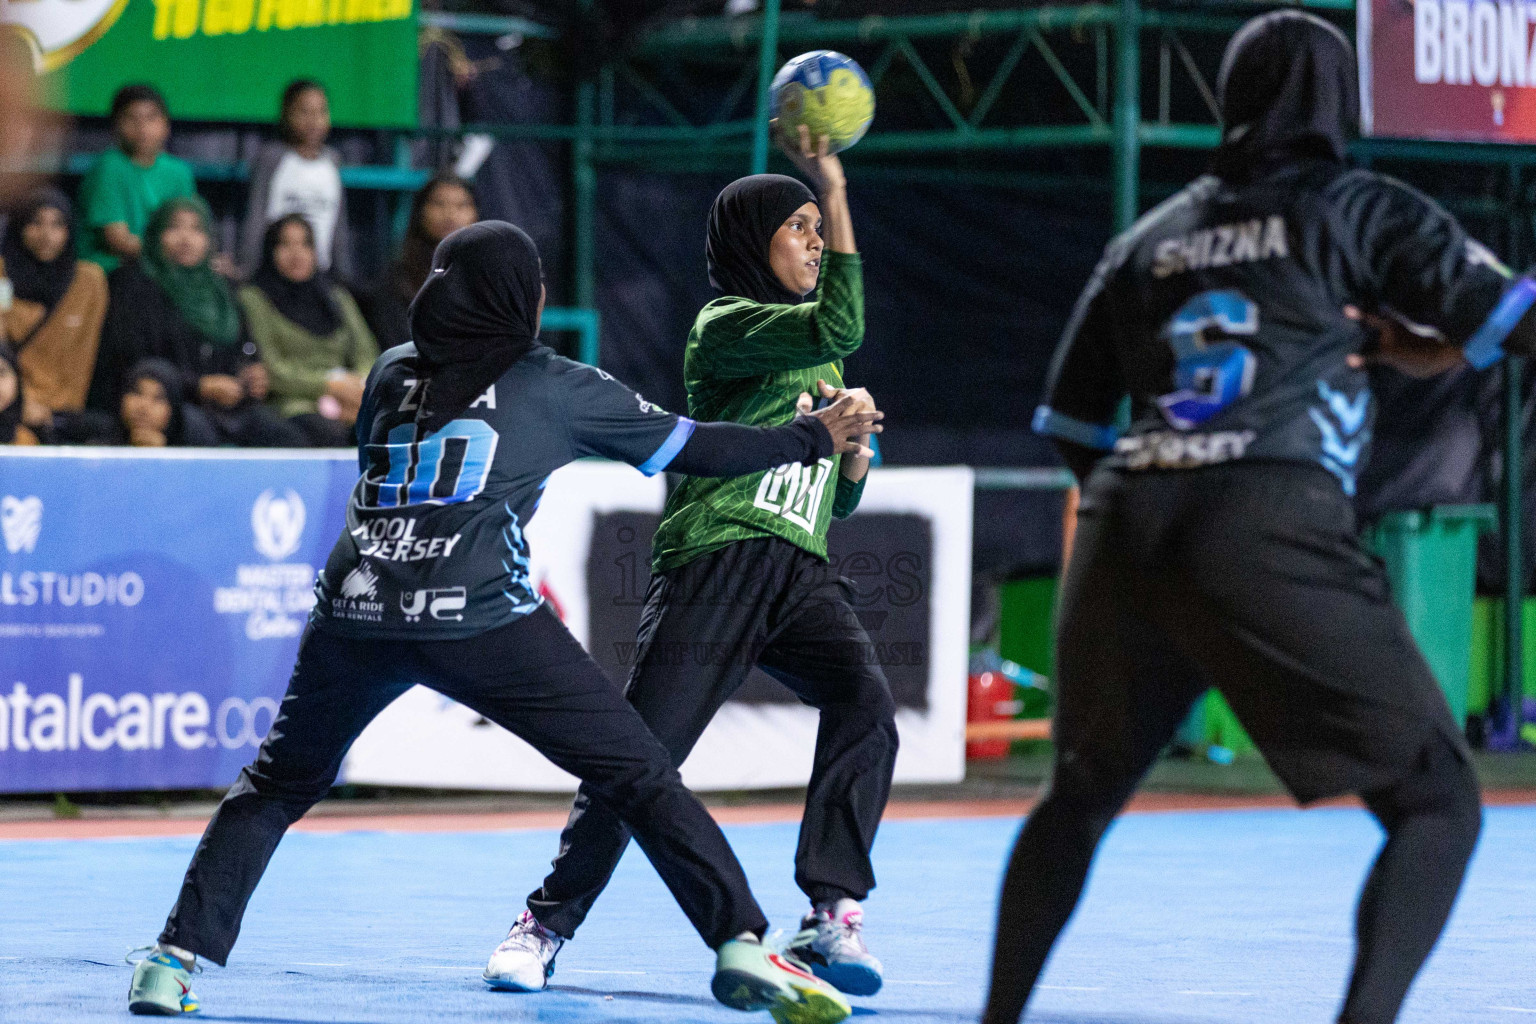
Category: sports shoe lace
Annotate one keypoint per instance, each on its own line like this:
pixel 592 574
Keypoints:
pixel 849 933
pixel 148 951
pixel 528 935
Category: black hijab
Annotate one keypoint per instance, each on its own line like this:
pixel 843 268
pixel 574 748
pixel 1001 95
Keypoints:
pixel 1288 91
pixel 741 225
pixel 307 304
pixel 31 278
pixel 476 315
pixel 164 373
pixel 10 416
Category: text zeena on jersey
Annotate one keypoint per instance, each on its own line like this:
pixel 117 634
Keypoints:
pixel 1246 241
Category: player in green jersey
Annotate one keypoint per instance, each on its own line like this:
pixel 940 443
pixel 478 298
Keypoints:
pixel 740 566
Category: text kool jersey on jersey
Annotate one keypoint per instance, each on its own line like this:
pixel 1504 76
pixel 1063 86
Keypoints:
pixel 1221 313
pixel 434 547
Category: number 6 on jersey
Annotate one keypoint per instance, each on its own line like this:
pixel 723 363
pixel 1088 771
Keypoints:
pixel 1209 376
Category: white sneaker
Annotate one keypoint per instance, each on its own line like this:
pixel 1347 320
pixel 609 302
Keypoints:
pixel 525 959
pixel 831 943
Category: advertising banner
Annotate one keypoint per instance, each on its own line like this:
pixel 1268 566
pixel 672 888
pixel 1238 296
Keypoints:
pixel 150 610
pixel 151 606
pixel 226 60
pixel 1448 69
pixel 907 552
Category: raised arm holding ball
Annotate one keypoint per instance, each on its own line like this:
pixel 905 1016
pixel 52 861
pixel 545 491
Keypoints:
pixel 740 565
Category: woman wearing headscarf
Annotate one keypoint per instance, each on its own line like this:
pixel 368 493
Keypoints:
pixel 439 208
pixel 751 356
pixel 428 583
pixel 171 304
pixel 151 413
pixel 1217 542
pixel 310 335
pixel 57 305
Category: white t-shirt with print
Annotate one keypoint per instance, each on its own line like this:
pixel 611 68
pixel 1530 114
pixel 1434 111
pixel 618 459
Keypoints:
pixel 312 188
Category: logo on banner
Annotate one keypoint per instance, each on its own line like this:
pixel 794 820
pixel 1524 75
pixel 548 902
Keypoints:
pixel 21 521
pixel 442 603
pixel 278 523
pixel 57 31
pixel 274 598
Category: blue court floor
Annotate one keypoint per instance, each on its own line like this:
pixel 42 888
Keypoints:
pixel 1236 917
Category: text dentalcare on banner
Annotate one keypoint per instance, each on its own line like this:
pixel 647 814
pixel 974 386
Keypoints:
pixel 150 611
pixel 151 605
pixel 226 60
pixel 1448 69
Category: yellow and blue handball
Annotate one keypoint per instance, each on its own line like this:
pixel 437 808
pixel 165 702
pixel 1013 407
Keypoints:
pixel 828 93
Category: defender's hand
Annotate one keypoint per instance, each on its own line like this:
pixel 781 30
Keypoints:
pixel 846 422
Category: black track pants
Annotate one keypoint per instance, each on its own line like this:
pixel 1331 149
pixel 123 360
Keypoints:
pixel 705 624
pixel 530 677
pixel 1249 578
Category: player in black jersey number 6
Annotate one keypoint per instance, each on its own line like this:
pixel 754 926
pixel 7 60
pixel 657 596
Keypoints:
pixel 1216 540
pixel 459 432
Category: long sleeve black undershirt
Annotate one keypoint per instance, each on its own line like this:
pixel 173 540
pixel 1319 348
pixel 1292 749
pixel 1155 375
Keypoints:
pixel 734 449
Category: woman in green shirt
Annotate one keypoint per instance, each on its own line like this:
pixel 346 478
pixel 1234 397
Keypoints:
pixel 311 335
pixel 740 567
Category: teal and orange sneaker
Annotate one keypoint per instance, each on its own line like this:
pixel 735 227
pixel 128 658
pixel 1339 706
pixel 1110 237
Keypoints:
pixel 752 976
pixel 162 986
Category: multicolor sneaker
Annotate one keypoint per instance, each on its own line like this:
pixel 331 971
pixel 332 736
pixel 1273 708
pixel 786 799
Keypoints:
pixel 162 986
pixel 525 959
pixel 752 976
pixel 831 943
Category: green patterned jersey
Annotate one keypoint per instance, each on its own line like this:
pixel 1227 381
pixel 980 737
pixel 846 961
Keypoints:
pixel 749 362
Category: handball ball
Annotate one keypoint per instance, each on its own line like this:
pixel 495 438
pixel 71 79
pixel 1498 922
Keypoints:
pixel 829 94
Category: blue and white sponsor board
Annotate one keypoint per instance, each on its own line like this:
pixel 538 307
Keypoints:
pixel 151 605
pixel 150 609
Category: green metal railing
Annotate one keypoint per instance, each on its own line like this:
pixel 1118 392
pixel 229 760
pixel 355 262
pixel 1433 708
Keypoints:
pixel 585 321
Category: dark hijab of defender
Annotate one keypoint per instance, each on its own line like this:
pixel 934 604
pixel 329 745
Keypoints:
pixel 477 314
pixel 742 223
pixel 1288 91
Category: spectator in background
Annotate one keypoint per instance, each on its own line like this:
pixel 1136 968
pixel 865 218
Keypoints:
pixel 12 399
pixel 300 174
pixel 57 304
pixel 131 182
pixel 151 413
pixel 310 334
pixel 170 304
pixel 439 208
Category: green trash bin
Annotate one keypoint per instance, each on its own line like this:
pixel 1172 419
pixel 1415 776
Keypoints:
pixel 1431 559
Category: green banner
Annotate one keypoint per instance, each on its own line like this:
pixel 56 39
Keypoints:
pixel 227 60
